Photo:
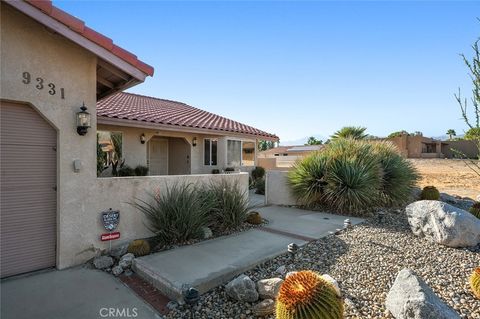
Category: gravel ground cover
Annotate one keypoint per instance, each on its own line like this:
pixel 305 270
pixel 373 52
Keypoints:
pixel 365 261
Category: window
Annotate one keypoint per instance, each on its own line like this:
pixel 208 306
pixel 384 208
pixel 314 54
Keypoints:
pixel 109 152
pixel 210 152
pixel 240 153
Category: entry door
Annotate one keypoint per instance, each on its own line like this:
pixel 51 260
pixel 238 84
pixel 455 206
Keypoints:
pixel 28 190
pixel 158 161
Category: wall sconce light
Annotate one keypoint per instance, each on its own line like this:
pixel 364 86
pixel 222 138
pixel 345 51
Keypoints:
pixel 83 120
pixel 142 138
pixel 194 142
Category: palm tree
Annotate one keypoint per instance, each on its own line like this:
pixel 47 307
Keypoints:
pixel 313 141
pixel 451 132
pixel 353 132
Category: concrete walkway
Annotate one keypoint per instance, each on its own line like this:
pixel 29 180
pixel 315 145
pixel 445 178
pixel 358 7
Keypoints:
pixel 208 264
pixel 76 293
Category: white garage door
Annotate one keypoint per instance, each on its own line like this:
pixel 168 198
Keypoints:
pixel 28 190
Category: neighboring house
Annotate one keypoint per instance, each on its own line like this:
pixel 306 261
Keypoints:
pixel 283 157
pixel 415 146
pixel 51 199
pixel 173 138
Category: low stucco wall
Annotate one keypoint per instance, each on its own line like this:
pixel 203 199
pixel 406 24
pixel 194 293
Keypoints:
pixel 277 191
pixel 118 193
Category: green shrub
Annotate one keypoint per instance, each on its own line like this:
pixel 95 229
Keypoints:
pixel 430 193
pixel 399 176
pixel 141 170
pixel 230 205
pixel 352 175
pixel 258 172
pixel 126 171
pixel 229 169
pixel 178 214
pixel 215 171
pixel 260 186
pixel 475 209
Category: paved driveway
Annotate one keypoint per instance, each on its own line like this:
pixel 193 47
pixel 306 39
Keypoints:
pixel 76 293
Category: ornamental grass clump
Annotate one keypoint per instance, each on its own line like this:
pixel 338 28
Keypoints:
pixel 178 214
pixel 352 176
pixel 306 295
pixel 230 205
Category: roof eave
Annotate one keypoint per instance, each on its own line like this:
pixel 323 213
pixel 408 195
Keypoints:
pixel 104 120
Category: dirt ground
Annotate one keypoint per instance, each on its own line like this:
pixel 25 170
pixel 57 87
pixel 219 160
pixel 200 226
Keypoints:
pixel 449 176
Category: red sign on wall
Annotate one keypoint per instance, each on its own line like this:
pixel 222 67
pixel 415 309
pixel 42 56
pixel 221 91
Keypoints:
pixel 110 236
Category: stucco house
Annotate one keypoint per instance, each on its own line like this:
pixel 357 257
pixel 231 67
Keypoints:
pixel 54 71
pixel 283 157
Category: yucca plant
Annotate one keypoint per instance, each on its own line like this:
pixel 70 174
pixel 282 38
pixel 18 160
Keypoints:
pixel 307 179
pixel 399 176
pixel 306 295
pixel 230 205
pixel 178 214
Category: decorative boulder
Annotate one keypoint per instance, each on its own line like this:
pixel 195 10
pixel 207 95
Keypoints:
pixel 103 262
pixel 411 298
pixel 242 288
pixel 117 270
pixel 443 223
pixel 264 308
pixel 126 260
pixel 119 251
pixel 269 288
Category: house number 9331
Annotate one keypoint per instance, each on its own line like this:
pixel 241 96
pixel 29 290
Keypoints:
pixel 41 84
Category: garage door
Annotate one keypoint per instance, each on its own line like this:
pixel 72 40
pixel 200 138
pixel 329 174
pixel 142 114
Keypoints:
pixel 28 190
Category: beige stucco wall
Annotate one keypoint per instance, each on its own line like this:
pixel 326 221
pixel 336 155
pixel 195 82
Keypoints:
pixel 277 191
pixel 26 46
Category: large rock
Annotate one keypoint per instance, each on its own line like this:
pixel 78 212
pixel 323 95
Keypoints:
pixel 443 223
pixel 269 288
pixel 264 308
pixel 242 288
pixel 126 260
pixel 103 262
pixel 411 298
pixel 119 250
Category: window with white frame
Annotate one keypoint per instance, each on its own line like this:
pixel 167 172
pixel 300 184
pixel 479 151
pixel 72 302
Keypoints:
pixel 210 151
pixel 240 153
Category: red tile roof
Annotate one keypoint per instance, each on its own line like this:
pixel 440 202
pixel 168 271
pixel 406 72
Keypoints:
pixel 136 107
pixel 79 26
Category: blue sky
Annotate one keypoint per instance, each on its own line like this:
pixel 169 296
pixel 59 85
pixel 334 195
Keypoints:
pixel 296 68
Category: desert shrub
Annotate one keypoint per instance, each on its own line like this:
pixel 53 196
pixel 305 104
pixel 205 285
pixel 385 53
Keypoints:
pixel 178 214
pixel 141 170
pixel 229 169
pixel 475 209
pixel 305 295
pixel 352 176
pixel 258 172
pixel 430 193
pixel 260 186
pixel 139 247
pixel 230 205
pixel 399 176
pixel 215 171
pixel 126 170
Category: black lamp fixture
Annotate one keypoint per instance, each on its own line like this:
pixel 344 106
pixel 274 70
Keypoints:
pixel 83 120
pixel 142 138
pixel 194 142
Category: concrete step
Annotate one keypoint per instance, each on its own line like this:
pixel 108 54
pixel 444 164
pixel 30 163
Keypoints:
pixel 208 264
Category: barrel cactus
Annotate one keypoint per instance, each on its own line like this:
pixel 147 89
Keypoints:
pixel 254 218
pixel 306 295
pixel 430 193
pixel 139 247
pixel 475 282
pixel 475 209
